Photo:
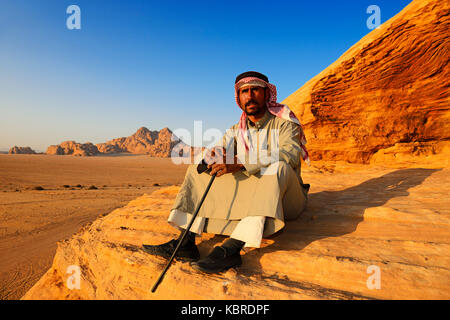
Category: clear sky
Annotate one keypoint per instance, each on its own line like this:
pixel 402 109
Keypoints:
pixel 157 63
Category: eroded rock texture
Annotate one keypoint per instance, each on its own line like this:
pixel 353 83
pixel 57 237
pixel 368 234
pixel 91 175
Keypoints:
pixel 389 92
pixel 394 219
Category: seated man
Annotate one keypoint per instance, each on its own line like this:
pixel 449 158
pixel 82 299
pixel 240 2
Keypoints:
pixel 255 190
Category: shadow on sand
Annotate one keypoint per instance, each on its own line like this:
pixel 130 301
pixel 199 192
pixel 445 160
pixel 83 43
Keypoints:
pixel 332 216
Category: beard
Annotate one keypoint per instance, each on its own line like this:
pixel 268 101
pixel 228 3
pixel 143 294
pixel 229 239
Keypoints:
pixel 253 108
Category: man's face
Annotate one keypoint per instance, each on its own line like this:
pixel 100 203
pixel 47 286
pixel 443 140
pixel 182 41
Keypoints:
pixel 252 100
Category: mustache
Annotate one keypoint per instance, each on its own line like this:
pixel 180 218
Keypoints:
pixel 250 102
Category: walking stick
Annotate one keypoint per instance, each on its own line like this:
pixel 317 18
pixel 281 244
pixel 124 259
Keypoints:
pixel 202 167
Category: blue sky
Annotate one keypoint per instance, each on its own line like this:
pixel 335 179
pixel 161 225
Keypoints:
pixel 157 63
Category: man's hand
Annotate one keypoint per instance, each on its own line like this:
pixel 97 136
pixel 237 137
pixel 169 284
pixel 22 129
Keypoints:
pixel 224 168
pixel 217 161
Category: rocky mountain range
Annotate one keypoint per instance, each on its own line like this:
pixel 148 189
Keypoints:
pixel 21 150
pixel 143 141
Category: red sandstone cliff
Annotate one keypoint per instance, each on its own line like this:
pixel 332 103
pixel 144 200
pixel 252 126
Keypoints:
pixel 387 96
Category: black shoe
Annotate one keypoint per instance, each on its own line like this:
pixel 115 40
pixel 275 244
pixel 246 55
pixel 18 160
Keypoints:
pixel 217 261
pixel 187 252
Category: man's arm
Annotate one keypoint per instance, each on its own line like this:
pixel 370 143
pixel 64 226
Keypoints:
pixel 289 151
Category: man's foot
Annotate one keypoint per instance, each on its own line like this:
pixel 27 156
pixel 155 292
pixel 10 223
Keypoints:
pixel 217 261
pixel 187 252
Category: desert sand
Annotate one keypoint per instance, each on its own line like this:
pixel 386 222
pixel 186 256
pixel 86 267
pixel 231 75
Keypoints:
pixel 32 221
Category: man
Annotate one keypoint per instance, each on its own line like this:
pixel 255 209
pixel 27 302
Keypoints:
pixel 258 183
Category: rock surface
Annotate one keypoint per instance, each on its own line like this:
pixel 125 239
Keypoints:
pixel 139 142
pixel 387 94
pixel 21 150
pixel 394 219
pixel 73 148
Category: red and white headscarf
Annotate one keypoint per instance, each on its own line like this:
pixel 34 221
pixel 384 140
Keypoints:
pixel 277 109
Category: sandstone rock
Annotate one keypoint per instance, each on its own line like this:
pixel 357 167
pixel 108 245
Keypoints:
pixel 144 141
pixel 55 150
pixel 112 147
pixel 396 220
pixel 390 88
pixel 21 150
pixel 73 148
pixel 163 144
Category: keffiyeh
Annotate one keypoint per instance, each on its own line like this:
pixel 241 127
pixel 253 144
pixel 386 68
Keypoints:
pixel 277 109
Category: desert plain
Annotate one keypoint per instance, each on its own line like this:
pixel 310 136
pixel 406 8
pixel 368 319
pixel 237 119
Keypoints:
pixel 75 191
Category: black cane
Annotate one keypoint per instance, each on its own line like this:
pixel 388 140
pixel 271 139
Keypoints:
pixel 202 167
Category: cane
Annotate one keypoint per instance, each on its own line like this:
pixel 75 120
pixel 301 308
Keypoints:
pixel 202 167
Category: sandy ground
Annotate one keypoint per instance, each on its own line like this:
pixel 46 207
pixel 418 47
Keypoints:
pixel 32 221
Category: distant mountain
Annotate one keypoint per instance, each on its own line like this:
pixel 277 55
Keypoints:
pixel 143 141
pixel 21 150
pixel 73 148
